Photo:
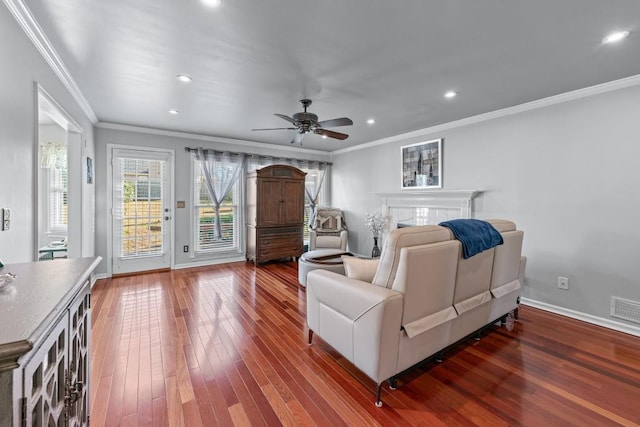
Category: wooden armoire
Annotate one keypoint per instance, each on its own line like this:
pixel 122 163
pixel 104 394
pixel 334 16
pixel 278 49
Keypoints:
pixel 275 213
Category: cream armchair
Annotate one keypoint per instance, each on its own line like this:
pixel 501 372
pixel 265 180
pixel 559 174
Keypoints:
pixel 329 230
pixel 420 297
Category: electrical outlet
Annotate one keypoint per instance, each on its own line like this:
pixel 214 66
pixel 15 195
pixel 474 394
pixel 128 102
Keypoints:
pixel 185 248
pixel 563 283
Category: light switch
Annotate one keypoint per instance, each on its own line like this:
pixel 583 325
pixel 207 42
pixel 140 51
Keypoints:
pixel 6 218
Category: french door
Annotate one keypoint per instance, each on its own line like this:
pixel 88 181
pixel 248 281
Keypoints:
pixel 141 210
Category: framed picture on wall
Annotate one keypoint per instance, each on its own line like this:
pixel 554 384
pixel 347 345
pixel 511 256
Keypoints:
pixel 422 165
pixel 89 170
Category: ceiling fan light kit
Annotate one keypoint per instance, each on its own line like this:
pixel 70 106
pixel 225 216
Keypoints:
pixel 305 122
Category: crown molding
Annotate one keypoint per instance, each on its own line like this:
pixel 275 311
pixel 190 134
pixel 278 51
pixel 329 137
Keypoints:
pixel 32 29
pixel 200 137
pixel 533 105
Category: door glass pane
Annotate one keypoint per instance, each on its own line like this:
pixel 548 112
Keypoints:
pixel 142 219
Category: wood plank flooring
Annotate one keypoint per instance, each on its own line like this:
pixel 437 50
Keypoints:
pixel 226 345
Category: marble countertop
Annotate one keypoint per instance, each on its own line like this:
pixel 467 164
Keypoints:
pixel 35 299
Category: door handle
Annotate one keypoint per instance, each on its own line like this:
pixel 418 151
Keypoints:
pixel 167 218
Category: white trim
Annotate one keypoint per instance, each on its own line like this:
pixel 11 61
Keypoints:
pixel 32 29
pixel 46 104
pixel 204 263
pixel 209 262
pixel 528 106
pixel 450 204
pixel 94 279
pixel 49 105
pixel 432 194
pixel 595 320
pixel 99 276
pixel 208 138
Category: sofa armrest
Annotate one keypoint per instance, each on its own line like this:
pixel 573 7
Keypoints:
pixel 313 235
pixel 343 239
pixel 360 320
pixel 523 267
pixel 349 297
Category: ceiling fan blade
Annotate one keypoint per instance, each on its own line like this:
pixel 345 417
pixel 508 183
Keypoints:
pixel 287 118
pixel 276 129
pixel 342 121
pixel 298 138
pixel 331 134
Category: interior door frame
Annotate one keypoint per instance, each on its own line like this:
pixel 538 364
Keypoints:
pixel 109 168
pixel 76 196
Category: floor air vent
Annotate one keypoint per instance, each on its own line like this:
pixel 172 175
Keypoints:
pixel 625 309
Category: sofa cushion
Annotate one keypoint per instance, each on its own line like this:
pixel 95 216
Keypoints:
pixel 502 225
pixel 360 268
pixel 329 242
pixel 400 238
pixel 506 263
pixel 474 275
pixel 426 276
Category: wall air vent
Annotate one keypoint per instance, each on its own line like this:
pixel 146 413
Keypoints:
pixel 625 309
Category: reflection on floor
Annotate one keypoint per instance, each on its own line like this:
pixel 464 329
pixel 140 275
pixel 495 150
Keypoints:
pixel 226 345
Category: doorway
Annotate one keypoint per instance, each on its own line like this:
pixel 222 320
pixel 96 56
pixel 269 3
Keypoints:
pixel 58 179
pixel 142 231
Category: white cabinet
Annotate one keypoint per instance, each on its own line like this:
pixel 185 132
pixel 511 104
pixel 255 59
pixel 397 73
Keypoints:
pixel 45 377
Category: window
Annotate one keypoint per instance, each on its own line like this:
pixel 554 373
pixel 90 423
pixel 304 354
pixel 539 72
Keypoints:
pixel 58 199
pixel 313 180
pixel 205 240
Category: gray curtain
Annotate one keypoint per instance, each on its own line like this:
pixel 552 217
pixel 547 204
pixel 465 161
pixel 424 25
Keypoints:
pixel 221 170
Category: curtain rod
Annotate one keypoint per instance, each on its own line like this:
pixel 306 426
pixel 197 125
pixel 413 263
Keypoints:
pixel 258 156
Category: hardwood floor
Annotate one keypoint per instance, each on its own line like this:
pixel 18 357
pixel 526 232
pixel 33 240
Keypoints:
pixel 227 345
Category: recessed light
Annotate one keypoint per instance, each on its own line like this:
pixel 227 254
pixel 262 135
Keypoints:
pixel 371 121
pixel 324 136
pixel 174 112
pixel 615 37
pixel 450 94
pixel 212 3
pixel 184 78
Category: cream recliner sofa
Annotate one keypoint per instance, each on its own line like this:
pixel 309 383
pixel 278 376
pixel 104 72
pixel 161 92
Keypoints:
pixel 423 297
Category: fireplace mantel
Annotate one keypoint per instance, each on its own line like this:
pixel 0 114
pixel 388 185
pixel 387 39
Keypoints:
pixel 427 207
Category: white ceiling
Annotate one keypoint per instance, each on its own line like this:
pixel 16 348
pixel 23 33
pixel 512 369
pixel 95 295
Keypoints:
pixel 390 60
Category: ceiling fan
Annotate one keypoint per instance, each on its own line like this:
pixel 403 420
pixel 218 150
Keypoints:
pixel 305 122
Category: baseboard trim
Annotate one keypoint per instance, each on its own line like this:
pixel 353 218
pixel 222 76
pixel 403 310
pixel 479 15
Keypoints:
pixel 94 278
pixel 203 263
pixel 595 320
pixel 207 262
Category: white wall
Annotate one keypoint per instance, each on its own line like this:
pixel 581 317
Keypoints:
pixel 22 65
pixel 182 171
pixel 567 174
